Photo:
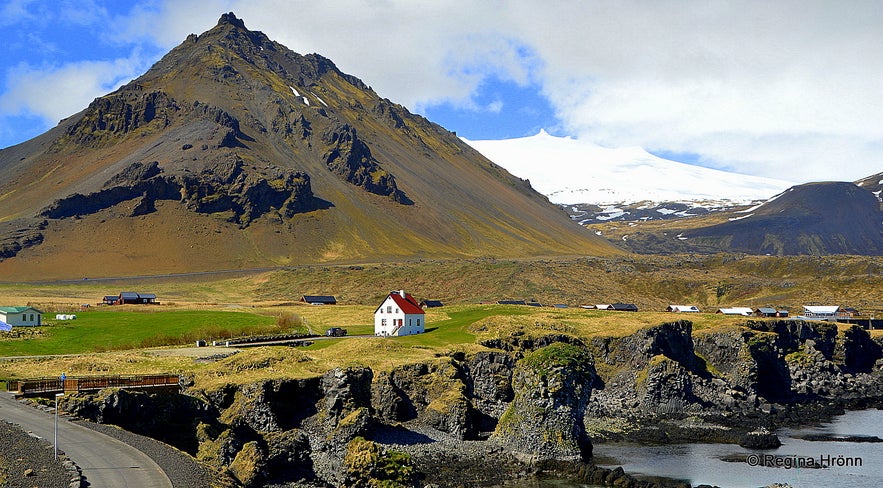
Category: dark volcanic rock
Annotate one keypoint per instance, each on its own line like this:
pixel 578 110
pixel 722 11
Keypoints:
pixel 227 186
pixel 545 419
pixel 350 158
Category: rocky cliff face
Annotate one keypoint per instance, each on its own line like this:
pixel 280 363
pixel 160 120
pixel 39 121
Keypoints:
pixel 524 405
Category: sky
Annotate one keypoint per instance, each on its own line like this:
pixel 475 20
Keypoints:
pixel 783 89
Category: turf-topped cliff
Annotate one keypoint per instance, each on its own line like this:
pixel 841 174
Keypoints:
pixel 233 151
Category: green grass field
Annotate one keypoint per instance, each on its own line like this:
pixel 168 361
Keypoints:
pixel 108 329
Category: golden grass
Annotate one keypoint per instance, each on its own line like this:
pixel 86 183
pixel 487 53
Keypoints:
pixel 652 282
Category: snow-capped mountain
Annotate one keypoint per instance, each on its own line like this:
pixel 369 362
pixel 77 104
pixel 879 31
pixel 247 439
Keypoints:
pixel 572 171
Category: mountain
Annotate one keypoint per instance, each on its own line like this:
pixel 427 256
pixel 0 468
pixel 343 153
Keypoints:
pixel 573 171
pixel 873 184
pixel 811 219
pixel 233 151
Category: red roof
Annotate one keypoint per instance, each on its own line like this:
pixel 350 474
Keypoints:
pixel 407 303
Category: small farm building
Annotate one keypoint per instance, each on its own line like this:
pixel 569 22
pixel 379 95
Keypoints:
pixel 682 308
pixel 743 311
pixel 821 311
pixel 399 315
pixel 431 304
pixel 619 307
pixel 319 299
pixel 131 297
pixel 21 316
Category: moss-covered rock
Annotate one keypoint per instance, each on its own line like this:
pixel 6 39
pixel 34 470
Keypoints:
pixel 248 466
pixel 368 465
pixel 545 420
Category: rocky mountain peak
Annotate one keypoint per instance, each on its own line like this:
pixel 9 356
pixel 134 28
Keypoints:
pixel 269 151
pixel 230 18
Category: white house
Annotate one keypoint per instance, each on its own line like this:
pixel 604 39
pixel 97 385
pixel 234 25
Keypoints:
pixel 399 315
pixel 21 316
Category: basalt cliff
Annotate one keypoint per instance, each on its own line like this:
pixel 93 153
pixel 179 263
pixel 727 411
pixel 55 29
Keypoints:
pixel 525 403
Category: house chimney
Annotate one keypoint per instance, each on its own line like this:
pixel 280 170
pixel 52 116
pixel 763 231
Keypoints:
pixel 402 293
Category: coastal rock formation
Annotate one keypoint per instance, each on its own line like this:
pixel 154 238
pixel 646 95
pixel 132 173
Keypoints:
pixel 530 403
pixel 545 419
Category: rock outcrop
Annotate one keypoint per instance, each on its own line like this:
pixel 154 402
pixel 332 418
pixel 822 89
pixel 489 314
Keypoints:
pixel 244 192
pixel 533 403
pixel 545 419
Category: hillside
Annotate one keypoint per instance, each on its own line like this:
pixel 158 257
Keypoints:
pixel 234 152
pixel 812 219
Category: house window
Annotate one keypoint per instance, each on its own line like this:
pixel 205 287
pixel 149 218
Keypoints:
pixel 389 309
pixel 32 317
pixel 383 322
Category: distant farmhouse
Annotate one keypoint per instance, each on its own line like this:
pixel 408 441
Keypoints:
pixel 399 315
pixel 21 316
pixel 131 297
pixel 770 312
pixel 431 304
pixel 682 309
pixel 743 311
pixel 827 312
pixel 619 307
pixel 319 299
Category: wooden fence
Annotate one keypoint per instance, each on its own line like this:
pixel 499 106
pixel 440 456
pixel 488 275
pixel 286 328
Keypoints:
pixel 43 386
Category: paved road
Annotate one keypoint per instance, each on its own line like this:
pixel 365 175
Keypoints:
pixel 105 461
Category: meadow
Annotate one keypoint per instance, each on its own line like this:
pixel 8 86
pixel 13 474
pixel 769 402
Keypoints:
pixel 160 339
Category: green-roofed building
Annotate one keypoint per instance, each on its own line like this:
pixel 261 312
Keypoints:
pixel 21 316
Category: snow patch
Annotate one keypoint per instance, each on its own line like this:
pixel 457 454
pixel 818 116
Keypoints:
pixel 733 219
pixel 319 98
pixel 293 90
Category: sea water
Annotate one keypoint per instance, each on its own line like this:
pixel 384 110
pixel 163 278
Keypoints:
pixel 798 462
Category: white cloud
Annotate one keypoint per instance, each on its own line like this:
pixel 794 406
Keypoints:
pixel 72 86
pixel 782 88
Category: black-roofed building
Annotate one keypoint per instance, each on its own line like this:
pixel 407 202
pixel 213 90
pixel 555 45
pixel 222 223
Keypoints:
pixel 319 299
pixel 623 307
pixel 132 298
pixel 431 304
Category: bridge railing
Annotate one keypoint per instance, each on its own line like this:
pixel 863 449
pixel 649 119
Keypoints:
pixel 36 386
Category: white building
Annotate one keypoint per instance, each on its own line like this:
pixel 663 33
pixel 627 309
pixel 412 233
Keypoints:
pixel 21 316
pixel 822 312
pixel 682 309
pixel 399 315
pixel 744 311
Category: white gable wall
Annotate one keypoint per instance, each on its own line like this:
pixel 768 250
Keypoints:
pixel 389 320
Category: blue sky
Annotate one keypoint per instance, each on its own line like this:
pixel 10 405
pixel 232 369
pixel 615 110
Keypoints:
pixel 780 89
